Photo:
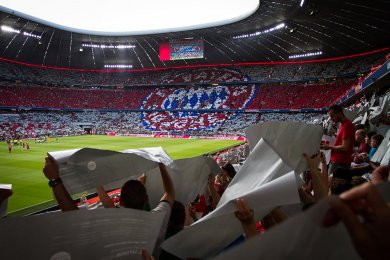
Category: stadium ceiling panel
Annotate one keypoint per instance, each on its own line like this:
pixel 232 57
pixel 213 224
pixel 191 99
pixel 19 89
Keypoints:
pixel 277 30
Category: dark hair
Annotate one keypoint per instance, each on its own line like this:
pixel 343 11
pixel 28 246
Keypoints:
pixel 133 195
pixel 357 180
pixel 342 173
pixel 361 132
pixel 378 138
pixel 336 108
pixel 338 186
pixel 360 127
pixel 230 170
pixel 371 134
pixel 178 215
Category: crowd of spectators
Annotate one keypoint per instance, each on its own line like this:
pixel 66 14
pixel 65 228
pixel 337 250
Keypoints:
pixel 302 95
pixel 30 124
pixel 290 96
pixel 297 72
pixel 270 72
pixel 204 75
pixel 33 96
pixel 360 205
pixel 196 97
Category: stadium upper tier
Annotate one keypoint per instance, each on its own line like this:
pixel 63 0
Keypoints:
pixel 259 73
pixel 221 97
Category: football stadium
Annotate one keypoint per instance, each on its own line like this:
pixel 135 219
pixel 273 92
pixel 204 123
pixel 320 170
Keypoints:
pixel 194 130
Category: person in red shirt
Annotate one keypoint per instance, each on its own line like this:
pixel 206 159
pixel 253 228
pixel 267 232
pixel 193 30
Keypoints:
pixel 342 149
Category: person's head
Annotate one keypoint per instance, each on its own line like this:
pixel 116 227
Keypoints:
pixel 178 215
pixel 338 186
pixel 360 135
pixel 360 126
pixel 368 137
pixel 336 113
pixel 376 140
pixel 83 198
pixel 357 180
pixel 228 169
pixel 133 195
pixel 342 173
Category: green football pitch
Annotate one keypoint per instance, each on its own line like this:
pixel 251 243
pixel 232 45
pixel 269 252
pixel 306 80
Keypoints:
pixel 23 169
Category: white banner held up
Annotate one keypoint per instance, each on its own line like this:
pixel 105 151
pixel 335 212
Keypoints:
pixel 263 165
pixel 302 237
pixel 218 229
pixel 189 177
pixel 264 181
pixel 289 140
pixel 88 168
pixel 80 234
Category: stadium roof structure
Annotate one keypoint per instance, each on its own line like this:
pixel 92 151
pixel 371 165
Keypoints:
pixel 278 31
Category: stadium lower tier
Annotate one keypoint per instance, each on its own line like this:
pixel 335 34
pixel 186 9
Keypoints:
pixel 32 124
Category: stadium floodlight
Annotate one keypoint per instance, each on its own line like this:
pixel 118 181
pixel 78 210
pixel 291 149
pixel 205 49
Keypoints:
pixel 9 29
pixel 6 28
pixel 104 46
pixel 118 66
pixel 274 28
pixel 308 54
pixel 32 35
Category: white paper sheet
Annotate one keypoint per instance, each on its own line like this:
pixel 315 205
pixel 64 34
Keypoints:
pixel 364 118
pixel 357 120
pixel 156 154
pixel 351 115
pixel 81 234
pixel 331 140
pixel 385 103
pixel 386 148
pixel 218 229
pixel 301 237
pixel 62 156
pixel 89 168
pixel 86 169
pixel 375 114
pixel 263 165
pixel 5 186
pixel 189 177
pixel 289 140
pixel 386 158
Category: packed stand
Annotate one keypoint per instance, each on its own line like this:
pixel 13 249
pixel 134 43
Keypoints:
pixel 204 75
pixel 298 96
pixel 29 124
pixel 286 72
pixel 32 96
pixel 307 71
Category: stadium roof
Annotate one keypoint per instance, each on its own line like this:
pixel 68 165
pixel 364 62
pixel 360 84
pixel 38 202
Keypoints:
pixel 131 17
pixel 280 30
